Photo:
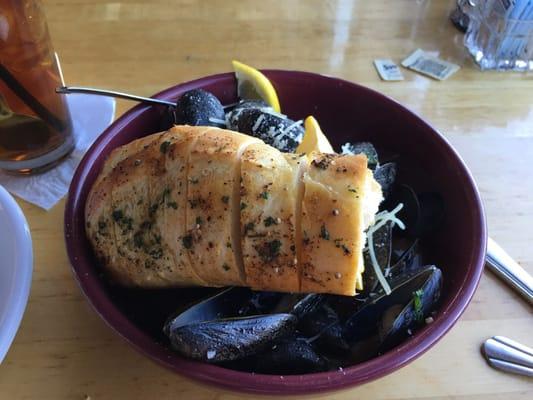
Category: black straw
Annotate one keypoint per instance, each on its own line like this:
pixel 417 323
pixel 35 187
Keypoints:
pixel 30 100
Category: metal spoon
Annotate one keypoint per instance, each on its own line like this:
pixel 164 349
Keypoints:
pixel 112 93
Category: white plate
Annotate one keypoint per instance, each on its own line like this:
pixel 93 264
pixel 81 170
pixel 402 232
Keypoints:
pixel 16 264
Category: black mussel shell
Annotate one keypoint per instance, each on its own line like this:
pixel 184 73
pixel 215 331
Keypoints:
pixel 422 214
pixel 432 212
pixel 365 321
pixel 363 147
pixel 273 128
pixel 382 240
pixel 199 108
pixel 232 338
pixel 385 175
pixel 167 118
pixel 299 304
pixel 225 303
pixel 323 328
pixel 345 306
pixel 408 261
pixel 261 302
pixel 410 212
pixel 400 318
pixel 290 357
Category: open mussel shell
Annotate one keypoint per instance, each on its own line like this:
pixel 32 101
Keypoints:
pixel 408 261
pixel 382 239
pixel 231 338
pixel 365 322
pixel 299 304
pixel 223 304
pixel 400 318
pixel 422 214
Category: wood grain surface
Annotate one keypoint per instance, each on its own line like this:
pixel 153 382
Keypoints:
pixel 65 351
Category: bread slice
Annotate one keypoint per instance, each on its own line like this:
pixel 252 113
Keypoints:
pixel 333 222
pixel 168 191
pixel 212 206
pixel 143 193
pixel 269 191
pixel 99 211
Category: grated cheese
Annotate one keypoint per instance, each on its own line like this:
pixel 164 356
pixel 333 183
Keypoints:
pixel 258 122
pixel 381 219
pixel 217 121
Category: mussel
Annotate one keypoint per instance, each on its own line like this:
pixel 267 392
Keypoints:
pixel 396 323
pixel 236 323
pixel 391 316
pixel 199 107
pixel 422 214
pixel 323 328
pixel 273 128
pixel 230 338
pixel 293 355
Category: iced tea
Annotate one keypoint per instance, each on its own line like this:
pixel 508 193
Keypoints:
pixel 35 125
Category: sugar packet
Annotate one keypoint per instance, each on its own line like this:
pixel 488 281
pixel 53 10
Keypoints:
pixel 388 70
pixel 426 64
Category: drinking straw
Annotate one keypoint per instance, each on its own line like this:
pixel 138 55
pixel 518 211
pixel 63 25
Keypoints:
pixel 29 99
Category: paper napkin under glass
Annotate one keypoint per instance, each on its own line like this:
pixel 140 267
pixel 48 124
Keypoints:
pixel 90 116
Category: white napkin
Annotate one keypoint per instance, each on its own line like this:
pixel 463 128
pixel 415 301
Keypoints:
pixel 90 116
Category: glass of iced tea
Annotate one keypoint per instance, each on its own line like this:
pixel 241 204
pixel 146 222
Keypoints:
pixel 35 124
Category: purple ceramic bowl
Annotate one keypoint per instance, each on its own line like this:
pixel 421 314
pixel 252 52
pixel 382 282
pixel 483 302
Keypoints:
pixel 347 112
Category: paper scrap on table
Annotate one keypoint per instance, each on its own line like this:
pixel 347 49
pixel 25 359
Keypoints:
pixel 90 116
pixel 388 70
pixel 423 62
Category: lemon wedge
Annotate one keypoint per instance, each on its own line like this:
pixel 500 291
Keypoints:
pixel 253 85
pixel 314 139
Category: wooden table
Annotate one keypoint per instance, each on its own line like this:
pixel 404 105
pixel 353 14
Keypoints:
pixel 65 351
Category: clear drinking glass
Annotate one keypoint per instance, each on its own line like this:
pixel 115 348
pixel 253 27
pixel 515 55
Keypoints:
pixel 500 34
pixel 35 124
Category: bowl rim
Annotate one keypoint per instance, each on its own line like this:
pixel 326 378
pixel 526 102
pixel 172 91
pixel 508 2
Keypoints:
pixel 260 383
pixel 22 275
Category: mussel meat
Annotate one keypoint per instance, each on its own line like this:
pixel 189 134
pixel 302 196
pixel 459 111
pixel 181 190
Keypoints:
pixel 400 318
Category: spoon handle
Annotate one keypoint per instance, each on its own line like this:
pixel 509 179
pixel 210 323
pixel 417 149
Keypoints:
pixel 508 269
pixel 112 93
